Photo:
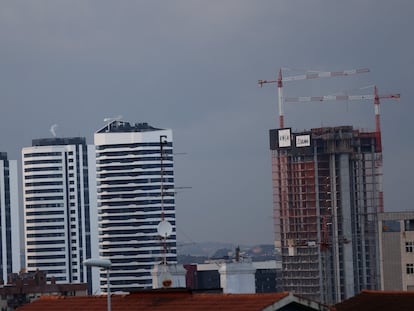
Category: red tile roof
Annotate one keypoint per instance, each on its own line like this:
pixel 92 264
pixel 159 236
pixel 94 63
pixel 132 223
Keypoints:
pixel 369 300
pixel 157 300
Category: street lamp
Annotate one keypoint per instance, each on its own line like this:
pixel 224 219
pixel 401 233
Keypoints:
pixel 103 264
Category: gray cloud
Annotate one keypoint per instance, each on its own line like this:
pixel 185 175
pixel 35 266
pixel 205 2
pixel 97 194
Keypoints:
pixel 192 66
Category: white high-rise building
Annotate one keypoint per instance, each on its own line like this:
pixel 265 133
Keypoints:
pixel 135 185
pixel 10 260
pixel 60 218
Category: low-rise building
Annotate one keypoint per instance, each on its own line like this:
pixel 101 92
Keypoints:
pixel 178 300
pixel 23 288
pixel 372 300
pixel 257 276
pixel 396 246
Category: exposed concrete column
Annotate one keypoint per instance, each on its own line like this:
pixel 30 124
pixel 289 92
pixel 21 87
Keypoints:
pixel 346 228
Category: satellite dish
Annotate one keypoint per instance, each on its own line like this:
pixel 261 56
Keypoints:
pixel 164 229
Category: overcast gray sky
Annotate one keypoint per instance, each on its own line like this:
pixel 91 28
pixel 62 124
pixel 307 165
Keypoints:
pixel 193 66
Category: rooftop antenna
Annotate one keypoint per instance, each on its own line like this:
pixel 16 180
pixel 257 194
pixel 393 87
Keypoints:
pixel 53 129
pixel 109 120
pixel 164 228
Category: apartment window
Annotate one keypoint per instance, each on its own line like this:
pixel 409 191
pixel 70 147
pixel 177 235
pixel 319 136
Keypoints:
pixel 409 225
pixel 409 245
pixel 390 226
pixel 410 268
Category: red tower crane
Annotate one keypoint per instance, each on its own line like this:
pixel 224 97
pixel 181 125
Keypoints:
pixel 376 97
pixel 306 76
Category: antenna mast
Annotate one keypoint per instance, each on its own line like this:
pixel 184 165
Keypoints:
pixel 164 228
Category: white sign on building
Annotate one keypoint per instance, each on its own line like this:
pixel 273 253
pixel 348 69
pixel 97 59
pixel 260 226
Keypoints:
pixel 284 138
pixel 303 140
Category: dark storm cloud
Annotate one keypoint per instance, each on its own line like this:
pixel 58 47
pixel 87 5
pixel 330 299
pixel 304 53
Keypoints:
pixel 192 66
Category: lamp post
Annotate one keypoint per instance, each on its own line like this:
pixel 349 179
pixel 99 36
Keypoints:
pixel 103 264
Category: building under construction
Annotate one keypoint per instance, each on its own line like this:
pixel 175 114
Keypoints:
pixel 327 192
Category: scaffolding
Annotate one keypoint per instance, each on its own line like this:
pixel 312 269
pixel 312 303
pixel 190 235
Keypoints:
pixel 326 198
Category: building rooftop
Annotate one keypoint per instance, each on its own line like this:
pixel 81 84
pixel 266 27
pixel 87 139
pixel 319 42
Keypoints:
pixel 371 300
pixel 58 141
pixel 23 287
pixel 117 126
pixel 180 300
pixel 342 139
pixel 35 282
pixel 396 215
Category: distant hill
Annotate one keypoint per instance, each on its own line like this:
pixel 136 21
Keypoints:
pixel 199 252
pixel 206 249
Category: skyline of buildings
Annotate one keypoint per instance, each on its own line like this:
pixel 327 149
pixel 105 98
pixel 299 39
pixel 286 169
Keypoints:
pixel 327 193
pixel 327 186
pixel 127 177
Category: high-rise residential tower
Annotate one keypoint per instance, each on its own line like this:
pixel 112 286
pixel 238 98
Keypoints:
pixel 60 217
pixel 327 193
pixel 135 185
pixel 10 260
